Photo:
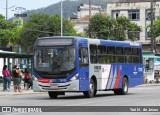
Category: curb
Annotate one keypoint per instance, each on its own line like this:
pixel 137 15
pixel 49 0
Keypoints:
pixel 2 93
pixel 148 85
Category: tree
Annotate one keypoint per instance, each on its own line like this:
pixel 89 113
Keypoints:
pixel 106 27
pixel 8 32
pixel 42 25
pixel 156 30
pixel 101 26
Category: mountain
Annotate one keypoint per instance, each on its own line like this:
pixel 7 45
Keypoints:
pixel 69 7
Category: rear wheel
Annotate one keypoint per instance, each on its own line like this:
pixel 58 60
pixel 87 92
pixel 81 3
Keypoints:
pixel 53 95
pixel 92 90
pixel 124 89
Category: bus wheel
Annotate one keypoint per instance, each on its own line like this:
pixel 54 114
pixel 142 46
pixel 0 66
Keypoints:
pixel 124 89
pixel 92 91
pixel 52 95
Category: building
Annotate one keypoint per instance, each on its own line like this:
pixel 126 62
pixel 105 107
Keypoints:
pixel 81 19
pixel 138 12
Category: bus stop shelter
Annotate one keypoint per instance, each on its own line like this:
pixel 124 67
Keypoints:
pixel 7 56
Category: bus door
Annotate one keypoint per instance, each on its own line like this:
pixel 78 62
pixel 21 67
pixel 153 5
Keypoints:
pixel 83 67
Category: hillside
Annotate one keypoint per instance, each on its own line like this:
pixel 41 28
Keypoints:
pixel 69 7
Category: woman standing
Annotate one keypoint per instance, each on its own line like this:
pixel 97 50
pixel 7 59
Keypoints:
pixel 16 78
pixel 7 78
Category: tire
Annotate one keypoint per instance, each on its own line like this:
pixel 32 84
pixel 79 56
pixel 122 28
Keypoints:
pixel 53 95
pixel 92 90
pixel 124 89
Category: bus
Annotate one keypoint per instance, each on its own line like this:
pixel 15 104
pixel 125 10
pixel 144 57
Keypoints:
pixel 76 64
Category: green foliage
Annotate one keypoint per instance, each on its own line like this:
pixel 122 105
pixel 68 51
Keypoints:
pixel 156 30
pixel 106 27
pixel 8 31
pixel 42 25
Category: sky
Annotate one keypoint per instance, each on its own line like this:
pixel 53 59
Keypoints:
pixel 28 4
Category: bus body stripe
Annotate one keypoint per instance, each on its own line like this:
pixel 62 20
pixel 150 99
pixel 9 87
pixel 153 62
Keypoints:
pixel 118 78
pixel 114 78
pixel 110 78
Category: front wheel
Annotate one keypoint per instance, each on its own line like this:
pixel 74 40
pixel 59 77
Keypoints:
pixel 92 90
pixel 53 95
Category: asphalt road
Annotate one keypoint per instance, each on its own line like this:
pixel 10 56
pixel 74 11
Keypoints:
pixel 138 96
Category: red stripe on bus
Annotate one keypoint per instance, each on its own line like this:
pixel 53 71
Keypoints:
pixel 118 78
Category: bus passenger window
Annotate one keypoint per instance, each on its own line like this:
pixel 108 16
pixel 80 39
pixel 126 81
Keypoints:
pixel 83 55
pixel 93 53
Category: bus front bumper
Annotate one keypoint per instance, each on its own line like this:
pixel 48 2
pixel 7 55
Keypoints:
pixel 67 86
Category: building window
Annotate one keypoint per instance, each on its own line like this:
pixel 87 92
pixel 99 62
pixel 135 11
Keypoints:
pixel 148 14
pixel 115 14
pixel 134 35
pixel 148 33
pixel 134 14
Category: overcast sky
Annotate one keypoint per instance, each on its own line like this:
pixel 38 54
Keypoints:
pixel 28 4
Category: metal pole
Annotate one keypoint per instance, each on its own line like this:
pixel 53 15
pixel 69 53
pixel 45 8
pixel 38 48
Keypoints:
pixel 6 9
pixel 89 17
pixel 89 8
pixel 152 36
pixel 61 18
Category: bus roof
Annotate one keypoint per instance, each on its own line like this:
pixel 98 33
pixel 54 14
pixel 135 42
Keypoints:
pixel 99 41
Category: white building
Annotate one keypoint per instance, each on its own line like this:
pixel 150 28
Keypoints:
pixel 138 12
pixel 82 19
pixel 83 10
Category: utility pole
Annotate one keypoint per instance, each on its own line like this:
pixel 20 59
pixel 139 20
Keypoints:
pixel 61 17
pixel 89 17
pixel 89 8
pixel 6 9
pixel 152 29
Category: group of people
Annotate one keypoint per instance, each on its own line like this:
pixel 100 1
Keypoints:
pixel 16 76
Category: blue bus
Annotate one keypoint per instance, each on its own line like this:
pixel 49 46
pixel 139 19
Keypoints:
pixel 76 64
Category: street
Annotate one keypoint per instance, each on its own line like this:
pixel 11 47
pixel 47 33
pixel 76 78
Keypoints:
pixel 137 96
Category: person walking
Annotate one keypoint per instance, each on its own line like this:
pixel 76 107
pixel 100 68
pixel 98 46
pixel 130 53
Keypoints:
pixel 16 78
pixel 7 78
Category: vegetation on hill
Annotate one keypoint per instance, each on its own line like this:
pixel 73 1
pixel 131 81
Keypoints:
pixel 69 7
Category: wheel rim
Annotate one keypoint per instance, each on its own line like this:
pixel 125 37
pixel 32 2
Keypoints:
pixel 91 86
pixel 125 87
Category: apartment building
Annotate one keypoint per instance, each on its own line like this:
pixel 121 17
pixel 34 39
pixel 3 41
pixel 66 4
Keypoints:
pixel 82 16
pixel 138 12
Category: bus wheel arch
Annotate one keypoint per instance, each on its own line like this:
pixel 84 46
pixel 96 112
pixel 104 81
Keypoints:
pixel 92 88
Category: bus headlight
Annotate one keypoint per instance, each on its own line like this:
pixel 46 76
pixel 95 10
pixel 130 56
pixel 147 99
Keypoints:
pixel 74 77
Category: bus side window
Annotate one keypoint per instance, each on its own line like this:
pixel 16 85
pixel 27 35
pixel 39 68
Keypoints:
pixel 83 55
pixel 127 53
pixel 93 53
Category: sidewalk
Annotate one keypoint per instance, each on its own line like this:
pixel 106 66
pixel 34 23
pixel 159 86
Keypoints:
pixel 23 91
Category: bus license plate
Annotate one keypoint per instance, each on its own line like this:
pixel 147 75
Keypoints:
pixel 54 86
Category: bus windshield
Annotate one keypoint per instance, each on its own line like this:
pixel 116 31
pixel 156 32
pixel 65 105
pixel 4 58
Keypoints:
pixel 54 60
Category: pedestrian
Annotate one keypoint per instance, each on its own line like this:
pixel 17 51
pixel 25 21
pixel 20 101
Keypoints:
pixel 28 79
pixel 7 78
pixel 16 78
